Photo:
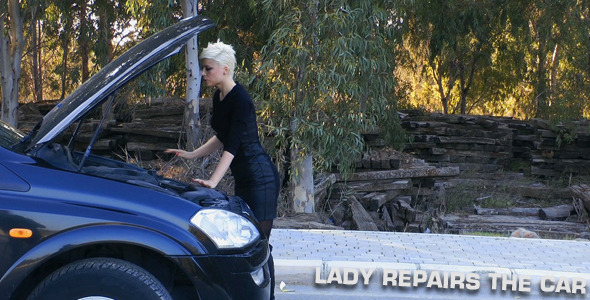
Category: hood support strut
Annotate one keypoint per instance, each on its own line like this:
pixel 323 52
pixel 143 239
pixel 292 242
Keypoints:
pixel 97 132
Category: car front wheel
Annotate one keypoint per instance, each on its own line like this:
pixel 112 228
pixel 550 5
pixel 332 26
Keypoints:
pixel 100 279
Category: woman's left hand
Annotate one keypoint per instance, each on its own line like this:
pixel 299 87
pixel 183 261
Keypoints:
pixel 205 183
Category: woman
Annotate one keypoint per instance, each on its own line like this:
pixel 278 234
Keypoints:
pixel 234 122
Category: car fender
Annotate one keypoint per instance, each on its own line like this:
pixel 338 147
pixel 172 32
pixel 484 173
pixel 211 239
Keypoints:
pixel 11 181
pixel 91 235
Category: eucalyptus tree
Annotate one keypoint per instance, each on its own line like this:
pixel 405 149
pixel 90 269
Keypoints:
pixel 193 81
pixel 12 44
pixel 552 42
pixel 37 10
pixel 324 78
pixel 457 39
pixel 66 20
pixel 151 17
pixel 76 38
pixel 237 29
pixel 84 38
pixel 239 23
pixel 559 43
pixel 531 25
pixel 577 54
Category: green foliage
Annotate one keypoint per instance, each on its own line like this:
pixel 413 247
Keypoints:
pixel 326 76
pixel 168 76
pixel 323 71
pixel 243 30
pixel 454 40
pixel 239 30
pixel 511 58
pixel 566 133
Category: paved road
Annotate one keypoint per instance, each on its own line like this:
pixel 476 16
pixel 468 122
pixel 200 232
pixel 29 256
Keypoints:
pixel 339 264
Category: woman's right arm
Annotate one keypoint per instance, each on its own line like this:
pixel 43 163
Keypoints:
pixel 210 146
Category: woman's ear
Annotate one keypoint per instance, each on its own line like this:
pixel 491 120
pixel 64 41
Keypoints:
pixel 225 70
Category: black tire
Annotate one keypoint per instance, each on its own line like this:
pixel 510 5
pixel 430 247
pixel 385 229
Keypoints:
pixel 103 278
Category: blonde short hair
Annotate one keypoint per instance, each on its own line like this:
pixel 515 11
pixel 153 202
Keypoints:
pixel 221 53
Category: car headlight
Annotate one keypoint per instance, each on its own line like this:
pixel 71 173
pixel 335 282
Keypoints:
pixel 226 229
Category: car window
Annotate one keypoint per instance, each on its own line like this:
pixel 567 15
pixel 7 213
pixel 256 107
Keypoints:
pixel 9 135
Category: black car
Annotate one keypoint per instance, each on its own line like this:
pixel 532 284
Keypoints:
pixel 74 225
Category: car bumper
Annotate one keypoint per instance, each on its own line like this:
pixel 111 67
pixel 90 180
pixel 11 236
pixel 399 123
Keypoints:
pixel 230 276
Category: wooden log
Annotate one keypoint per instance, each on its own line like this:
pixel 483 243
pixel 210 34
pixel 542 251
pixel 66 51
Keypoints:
pixel 515 211
pixel 376 200
pixel 373 186
pixel 580 210
pixel 403 173
pixel 302 221
pixel 560 212
pixel 413 227
pixel 507 224
pixel 154 123
pixel 405 211
pixel 140 146
pixel 105 144
pixel 386 218
pixel 157 110
pixel 542 192
pixel 171 132
pixel 371 200
pixel 582 192
pixel 466 140
pixel 322 187
pixel 360 216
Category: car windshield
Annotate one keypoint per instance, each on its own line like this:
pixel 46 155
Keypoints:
pixel 9 136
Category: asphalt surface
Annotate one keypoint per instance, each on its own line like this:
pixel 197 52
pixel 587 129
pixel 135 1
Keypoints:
pixel 340 264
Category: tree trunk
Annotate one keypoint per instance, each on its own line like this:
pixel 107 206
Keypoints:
pixel 36 54
pixel 466 82
pixel 540 84
pixel 64 63
pixel 193 82
pixel 303 188
pixel 84 40
pixel 438 75
pixel 302 182
pixel 104 51
pixel 301 165
pixel 11 51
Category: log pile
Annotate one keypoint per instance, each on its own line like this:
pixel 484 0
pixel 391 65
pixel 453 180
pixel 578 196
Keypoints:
pixel 490 144
pixel 481 144
pixel 393 191
pixel 558 220
pixel 152 129
pixel 387 200
pixel 140 133
pixel 391 201
pixel 555 154
pixel 475 143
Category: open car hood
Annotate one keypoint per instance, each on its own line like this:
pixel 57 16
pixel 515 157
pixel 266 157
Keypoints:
pixel 114 75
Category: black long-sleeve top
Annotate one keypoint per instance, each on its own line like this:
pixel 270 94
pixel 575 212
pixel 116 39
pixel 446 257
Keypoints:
pixel 234 120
